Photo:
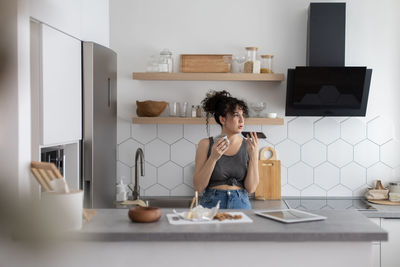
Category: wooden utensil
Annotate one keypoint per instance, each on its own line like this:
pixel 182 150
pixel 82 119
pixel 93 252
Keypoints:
pixel 203 63
pixel 379 185
pixel 45 172
pixel 269 186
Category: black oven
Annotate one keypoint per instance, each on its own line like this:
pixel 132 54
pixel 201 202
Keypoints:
pixel 54 155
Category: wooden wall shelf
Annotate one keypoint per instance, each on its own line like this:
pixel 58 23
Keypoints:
pixel 187 120
pixel 180 76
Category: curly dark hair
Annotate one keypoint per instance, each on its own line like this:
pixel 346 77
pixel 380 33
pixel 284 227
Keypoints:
pixel 220 103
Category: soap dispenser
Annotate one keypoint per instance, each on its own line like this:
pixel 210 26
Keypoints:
pixel 121 191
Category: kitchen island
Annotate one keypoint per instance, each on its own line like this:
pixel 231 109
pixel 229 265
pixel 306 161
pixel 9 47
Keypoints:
pixel 340 226
pixel 343 239
pixel 111 239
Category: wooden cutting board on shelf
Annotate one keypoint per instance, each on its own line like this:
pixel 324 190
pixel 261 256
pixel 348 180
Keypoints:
pixel 203 63
pixel 269 186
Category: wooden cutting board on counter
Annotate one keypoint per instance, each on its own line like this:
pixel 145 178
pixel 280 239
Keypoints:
pixel 269 186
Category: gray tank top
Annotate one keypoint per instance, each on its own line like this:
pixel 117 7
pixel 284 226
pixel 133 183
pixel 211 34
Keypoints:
pixel 230 170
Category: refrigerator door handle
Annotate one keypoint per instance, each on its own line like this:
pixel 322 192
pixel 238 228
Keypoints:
pixel 109 91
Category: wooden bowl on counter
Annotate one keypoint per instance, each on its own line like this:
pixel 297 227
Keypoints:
pixel 144 214
pixel 150 108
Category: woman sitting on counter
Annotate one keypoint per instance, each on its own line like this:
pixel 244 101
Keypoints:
pixel 226 169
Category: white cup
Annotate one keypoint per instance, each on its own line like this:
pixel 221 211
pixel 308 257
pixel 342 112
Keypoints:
pixel 271 115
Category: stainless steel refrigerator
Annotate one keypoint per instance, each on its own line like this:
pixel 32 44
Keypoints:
pixel 99 125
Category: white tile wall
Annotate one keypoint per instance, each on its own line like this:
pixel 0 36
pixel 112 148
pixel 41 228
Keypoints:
pixel 170 133
pixel 319 156
pixel 183 152
pixel 127 150
pixel 353 176
pixel 313 153
pixel 326 175
pixel 353 130
pixel 313 191
pixel 157 152
pixel 170 175
pixel 301 130
pixel 288 152
pixel 327 130
pixel 380 130
pixel 390 153
pixel 340 153
pixel 300 175
pixel 366 153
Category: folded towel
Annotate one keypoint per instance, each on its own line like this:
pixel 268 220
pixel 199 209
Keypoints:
pixel 377 194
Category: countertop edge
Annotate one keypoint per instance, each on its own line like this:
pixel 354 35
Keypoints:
pixel 230 237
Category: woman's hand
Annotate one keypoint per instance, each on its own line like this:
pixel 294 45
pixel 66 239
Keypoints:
pixel 219 148
pixel 252 145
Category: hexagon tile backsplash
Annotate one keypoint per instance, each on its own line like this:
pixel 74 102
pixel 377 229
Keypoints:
pixel 322 157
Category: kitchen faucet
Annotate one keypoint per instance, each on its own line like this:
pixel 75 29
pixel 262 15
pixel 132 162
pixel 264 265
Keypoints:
pixel 136 189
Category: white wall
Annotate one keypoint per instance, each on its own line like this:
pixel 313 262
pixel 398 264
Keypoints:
pixel 95 21
pixel 142 28
pixel 87 20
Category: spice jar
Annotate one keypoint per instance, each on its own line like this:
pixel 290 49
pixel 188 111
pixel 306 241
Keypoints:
pixel 165 61
pixel 193 111
pixel 199 111
pixel 266 64
pixel 252 65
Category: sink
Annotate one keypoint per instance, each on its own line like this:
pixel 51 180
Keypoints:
pixel 168 202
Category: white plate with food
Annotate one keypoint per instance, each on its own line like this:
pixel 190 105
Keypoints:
pixel 219 218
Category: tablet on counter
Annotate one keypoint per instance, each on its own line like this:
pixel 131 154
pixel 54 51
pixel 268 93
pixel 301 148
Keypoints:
pixel 289 215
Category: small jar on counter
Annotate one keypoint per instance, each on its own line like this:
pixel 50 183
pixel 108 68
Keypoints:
pixel 394 187
pixel 266 63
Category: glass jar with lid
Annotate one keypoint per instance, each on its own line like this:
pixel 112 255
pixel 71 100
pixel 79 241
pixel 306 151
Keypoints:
pixel 153 64
pixel 166 63
pixel 252 64
pixel 266 63
pixel 394 187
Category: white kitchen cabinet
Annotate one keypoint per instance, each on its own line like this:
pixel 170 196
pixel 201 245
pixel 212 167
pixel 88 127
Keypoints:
pixel 376 246
pixel 390 256
pixel 60 87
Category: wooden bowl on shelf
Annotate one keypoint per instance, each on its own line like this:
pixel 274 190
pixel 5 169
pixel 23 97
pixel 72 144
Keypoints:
pixel 150 108
pixel 144 214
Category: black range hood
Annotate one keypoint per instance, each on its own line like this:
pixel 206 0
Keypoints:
pixel 326 87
